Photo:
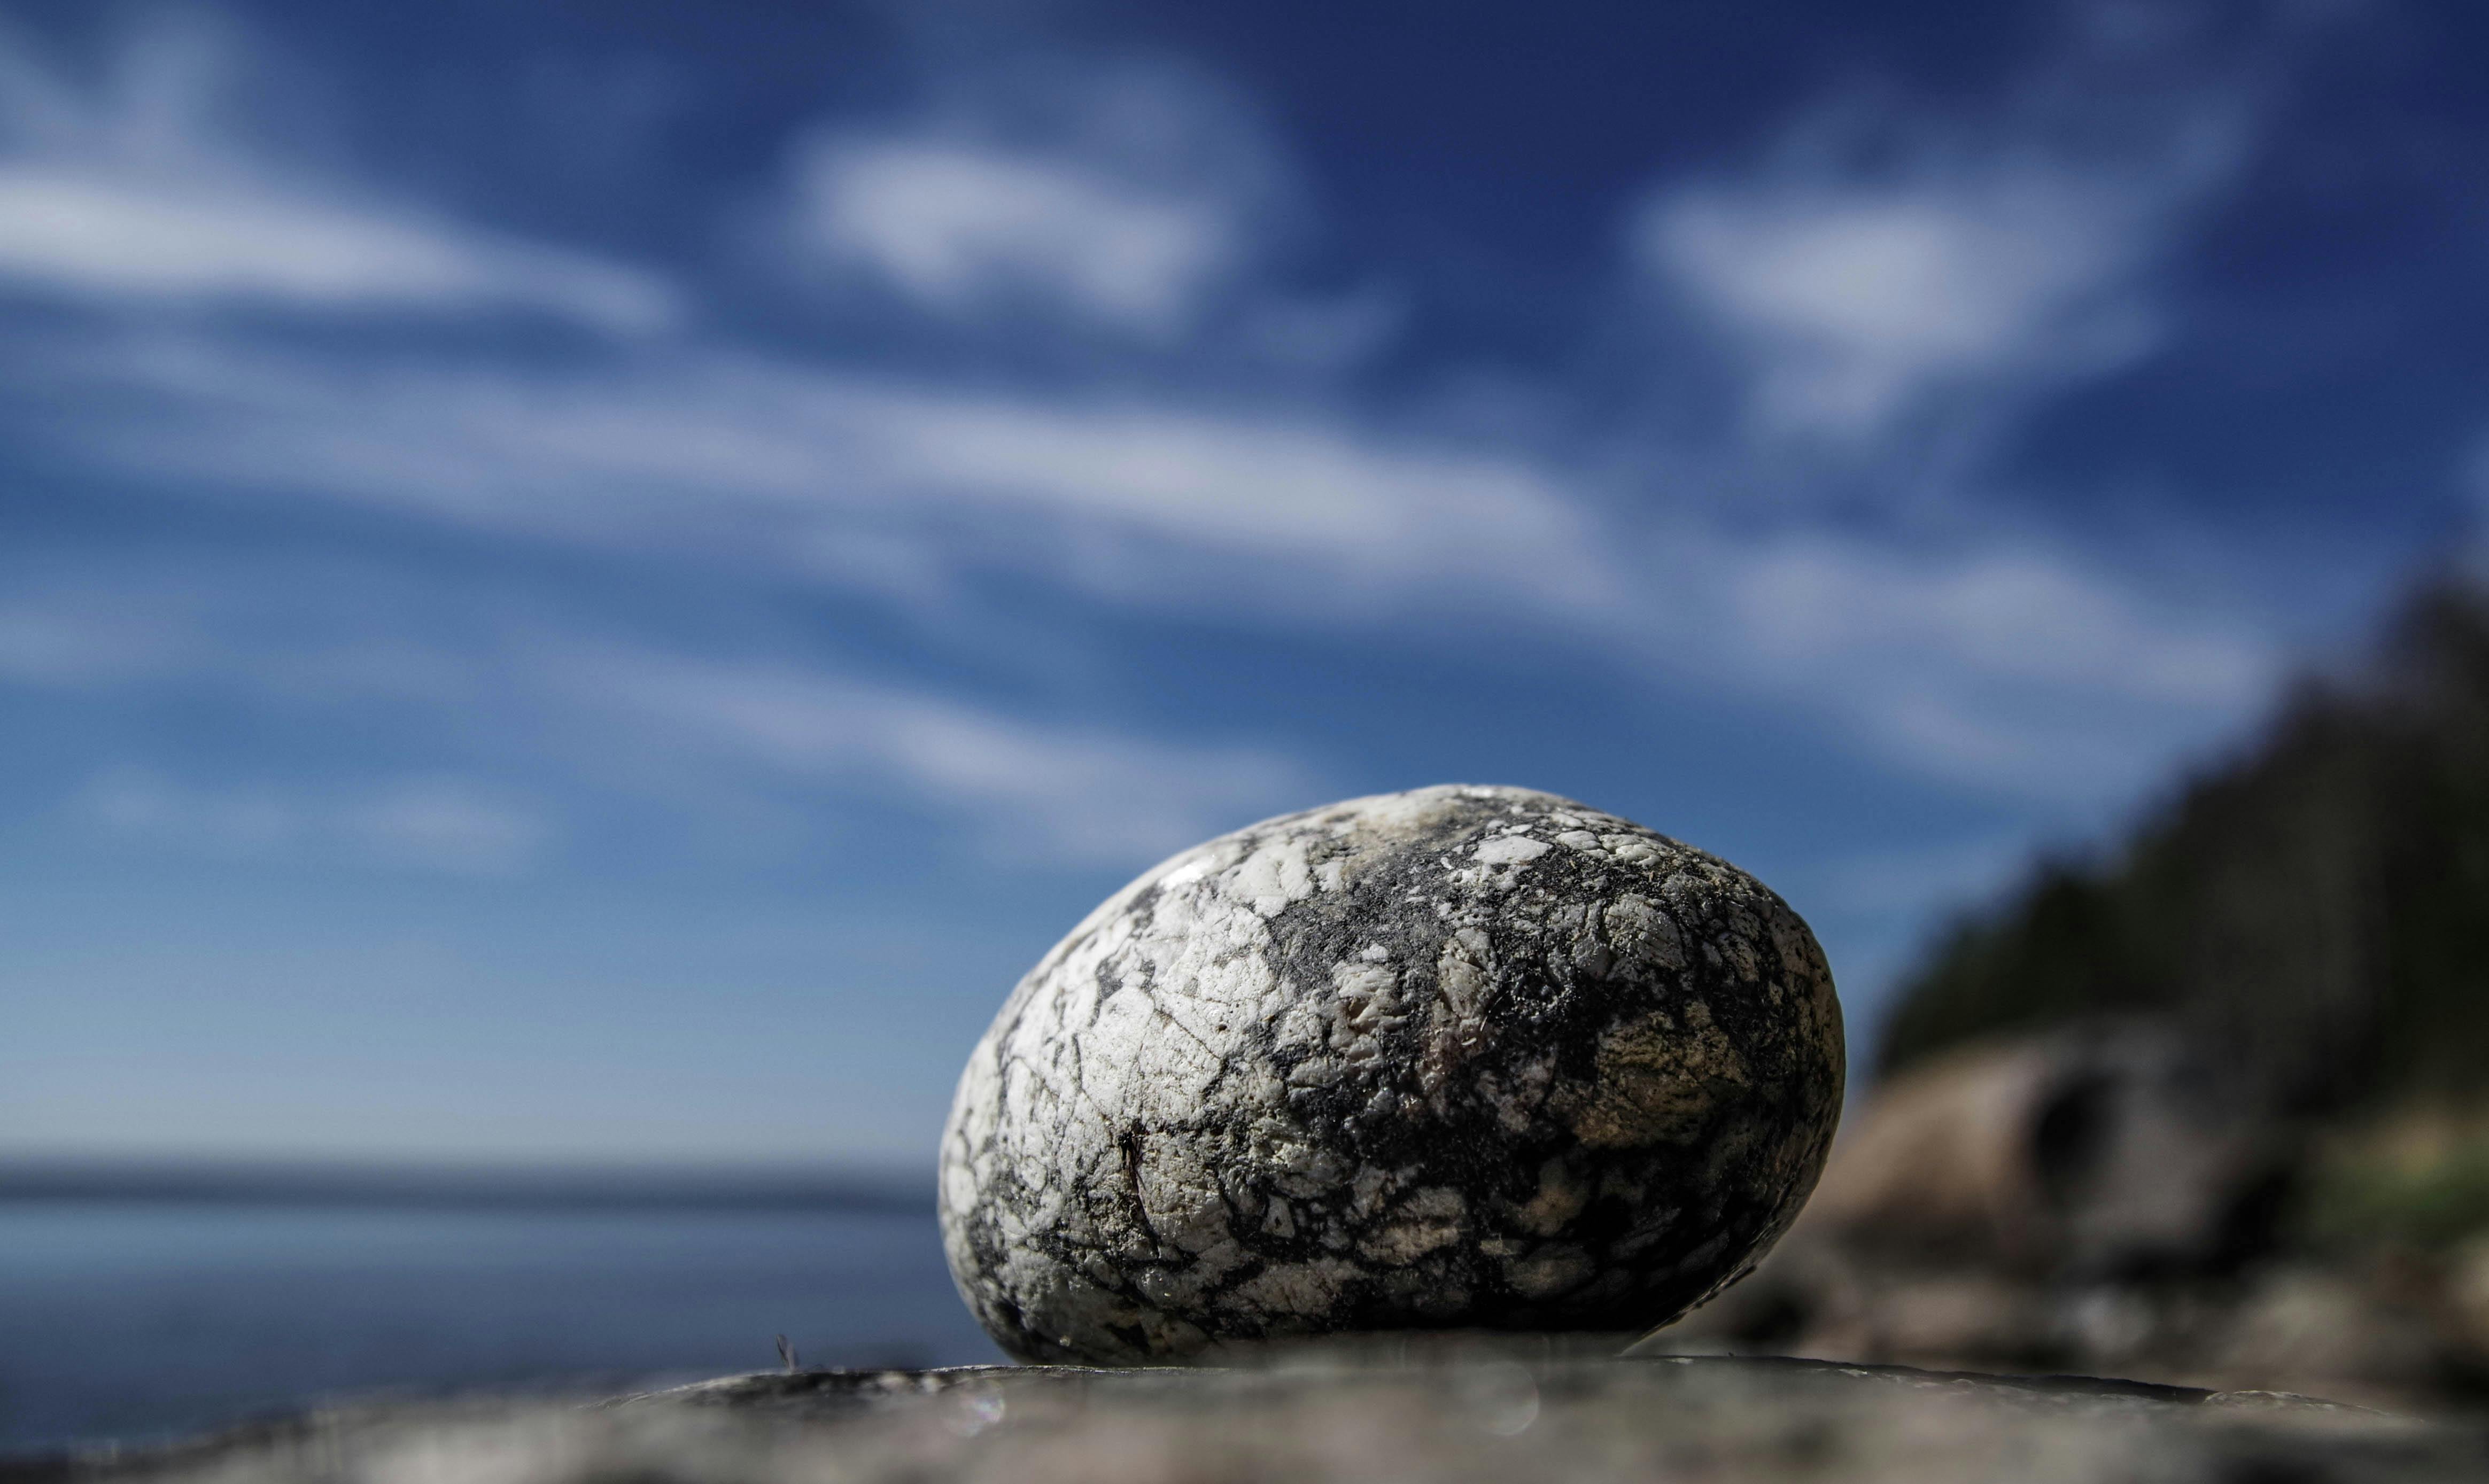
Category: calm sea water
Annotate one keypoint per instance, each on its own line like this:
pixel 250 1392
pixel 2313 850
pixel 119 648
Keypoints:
pixel 135 1321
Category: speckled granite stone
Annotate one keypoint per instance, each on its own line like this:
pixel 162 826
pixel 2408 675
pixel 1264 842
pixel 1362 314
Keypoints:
pixel 1460 1057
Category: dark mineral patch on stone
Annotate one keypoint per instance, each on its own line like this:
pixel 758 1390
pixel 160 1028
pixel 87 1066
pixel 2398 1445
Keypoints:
pixel 1462 1057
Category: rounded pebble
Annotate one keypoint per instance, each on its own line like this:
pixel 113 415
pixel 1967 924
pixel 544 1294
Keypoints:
pixel 1455 1058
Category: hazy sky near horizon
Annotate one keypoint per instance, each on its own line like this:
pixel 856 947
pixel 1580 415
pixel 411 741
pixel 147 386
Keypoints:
pixel 595 581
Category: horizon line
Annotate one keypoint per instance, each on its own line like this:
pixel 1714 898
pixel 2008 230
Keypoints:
pixel 447 1184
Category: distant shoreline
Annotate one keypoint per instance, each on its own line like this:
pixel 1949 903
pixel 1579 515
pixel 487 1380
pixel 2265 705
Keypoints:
pixel 545 1188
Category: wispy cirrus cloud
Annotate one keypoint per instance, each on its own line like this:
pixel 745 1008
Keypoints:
pixel 964 230
pixel 1885 264
pixel 1853 304
pixel 132 193
pixel 121 236
pixel 1999 656
pixel 1069 792
pixel 1128 199
pixel 2006 609
pixel 1994 652
pixel 546 695
pixel 434 824
pixel 773 460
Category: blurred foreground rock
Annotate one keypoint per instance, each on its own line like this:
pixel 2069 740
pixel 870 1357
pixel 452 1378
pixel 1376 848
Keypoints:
pixel 2107 1200
pixel 1446 1409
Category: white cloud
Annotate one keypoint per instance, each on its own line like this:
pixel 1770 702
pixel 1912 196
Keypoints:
pixel 1365 518
pixel 128 241
pixel 1855 302
pixel 2015 613
pixel 1084 793
pixel 446 825
pixel 1888 296
pixel 106 199
pixel 539 691
pixel 967 229
pixel 1993 661
pixel 1132 198
pixel 774 459
pixel 1995 657
pixel 1886 269
pixel 1983 652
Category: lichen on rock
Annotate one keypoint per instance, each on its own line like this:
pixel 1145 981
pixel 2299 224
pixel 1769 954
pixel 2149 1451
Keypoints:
pixel 1459 1057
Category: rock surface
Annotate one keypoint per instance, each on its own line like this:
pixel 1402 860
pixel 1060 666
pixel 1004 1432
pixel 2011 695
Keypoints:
pixel 2092 1198
pixel 1457 1411
pixel 1460 1057
pixel 2082 1153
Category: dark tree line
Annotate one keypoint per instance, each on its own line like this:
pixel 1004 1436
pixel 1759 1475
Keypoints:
pixel 2317 910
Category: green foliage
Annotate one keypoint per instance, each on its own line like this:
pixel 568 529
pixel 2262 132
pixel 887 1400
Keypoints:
pixel 2367 1192
pixel 2319 906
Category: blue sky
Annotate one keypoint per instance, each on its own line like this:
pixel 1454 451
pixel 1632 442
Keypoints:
pixel 596 582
